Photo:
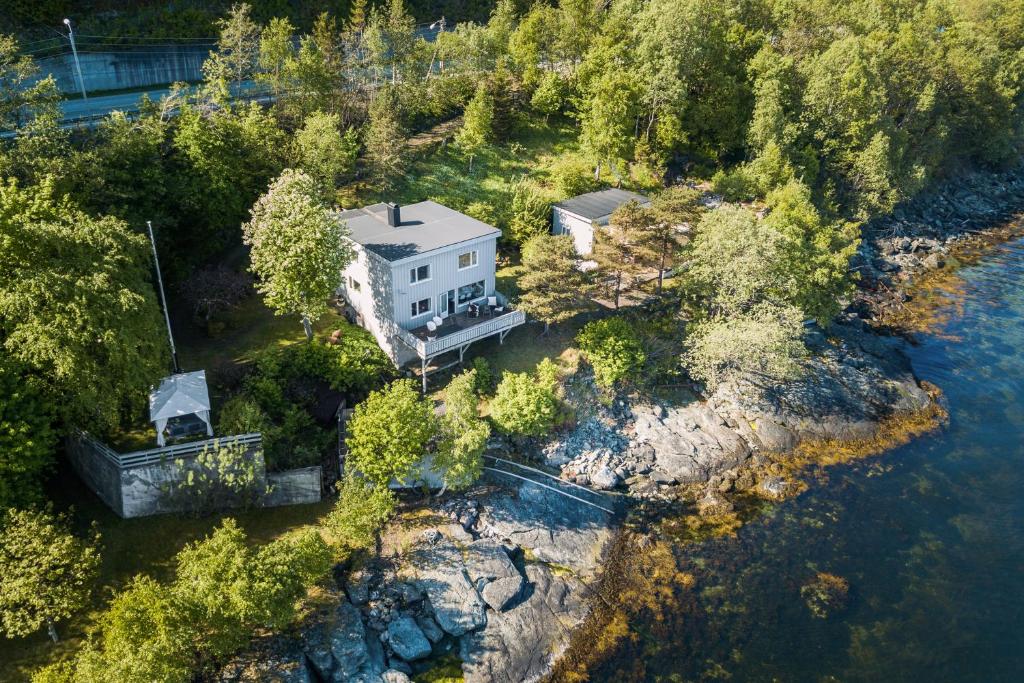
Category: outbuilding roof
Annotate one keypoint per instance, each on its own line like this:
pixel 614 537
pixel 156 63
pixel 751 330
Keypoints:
pixel 178 395
pixel 424 227
pixel 597 205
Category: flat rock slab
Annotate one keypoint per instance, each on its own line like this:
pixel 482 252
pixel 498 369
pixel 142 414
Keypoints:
pixel 487 560
pixel 348 644
pixel 556 529
pixel 519 646
pixel 502 593
pixel 437 568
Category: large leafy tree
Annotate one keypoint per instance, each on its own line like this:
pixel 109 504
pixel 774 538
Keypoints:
pixel 324 152
pixel 27 437
pixel 553 288
pixel 389 432
pixel 524 405
pixel 362 509
pixel 77 306
pixel 46 573
pixel 298 248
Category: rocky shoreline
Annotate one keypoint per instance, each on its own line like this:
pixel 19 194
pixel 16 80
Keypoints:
pixel 494 583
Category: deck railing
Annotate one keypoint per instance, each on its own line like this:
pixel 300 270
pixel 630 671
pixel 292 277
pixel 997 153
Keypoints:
pixel 494 325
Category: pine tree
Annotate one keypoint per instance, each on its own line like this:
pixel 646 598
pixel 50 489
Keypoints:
pixel 477 125
pixel 385 137
pixel 671 215
pixel 620 251
pixel 554 289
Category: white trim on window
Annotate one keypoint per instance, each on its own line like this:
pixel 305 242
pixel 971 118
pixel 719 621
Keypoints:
pixel 415 306
pixel 414 274
pixel 474 258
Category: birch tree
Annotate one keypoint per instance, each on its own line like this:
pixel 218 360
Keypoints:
pixel 298 248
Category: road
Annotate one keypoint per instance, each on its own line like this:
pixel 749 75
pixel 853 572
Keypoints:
pixel 77 109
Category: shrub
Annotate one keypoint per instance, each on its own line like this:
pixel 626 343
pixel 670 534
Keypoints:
pixel 529 213
pixel 360 513
pixel 242 415
pixel 734 185
pixel 572 176
pixel 223 475
pixel 613 349
pixel 464 435
pixel 484 376
pixel 523 406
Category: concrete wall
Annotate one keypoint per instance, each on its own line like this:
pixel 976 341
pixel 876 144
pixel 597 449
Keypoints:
pixel 100 474
pixel 120 70
pixel 294 487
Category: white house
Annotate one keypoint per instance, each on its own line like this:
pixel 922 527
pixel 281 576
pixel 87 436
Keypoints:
pixel 580 215
pixel 423 280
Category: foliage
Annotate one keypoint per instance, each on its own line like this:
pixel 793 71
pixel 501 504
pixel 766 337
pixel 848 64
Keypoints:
pixel 478 124
pixel 242 415
pixel 523 405
pixel 553 288
pixel 324 152
pixel 385 137
pixel 572 176
pixel 550 95
pixel 298 248
pixel 360 513
pixel 529 214
pixel 46 574
pixel 223 475
pixel 389 432
pixel 77 308
pixel 764 343
pixel 484 375
pixel 613 349
pixel 672 211
pixel 622 248
pixel 463 434
pixel 22 97
pixel 237 55
pixel 27 438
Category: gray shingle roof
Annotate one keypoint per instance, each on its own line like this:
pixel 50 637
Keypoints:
pixel 426 226
pixel 597 205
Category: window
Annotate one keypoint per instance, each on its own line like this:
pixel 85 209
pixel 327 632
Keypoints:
pixel 421 307
pixel 419 274
pixel 472 291
pixel 468 260
pixel 354 285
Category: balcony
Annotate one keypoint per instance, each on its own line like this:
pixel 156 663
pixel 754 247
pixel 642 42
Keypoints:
pixel 460 330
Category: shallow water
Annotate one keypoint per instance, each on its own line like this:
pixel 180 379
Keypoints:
pixel 929 536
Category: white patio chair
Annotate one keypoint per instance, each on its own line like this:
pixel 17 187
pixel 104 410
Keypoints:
pixel 492 303
pixel 438 321
pixel 431 330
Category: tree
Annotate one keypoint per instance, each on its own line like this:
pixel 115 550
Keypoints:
pixel 385 137
pixel 317 74
pixel 298 248
pixel 477 125
pixel 607 120
pixel 276 51
pixel 356 16
pixel 553 288
pixel 764 343
pixel 361 511
pixel 46 574
pixel 464 435
pixel 322 151
pixel 673 213
pixel 550 94
pixel 523 406
pixel 622 248
pixel 237 56
pixel 529 213
pixel 27 437
pixel 216 290
pixel 612 348
pixel 77 307
pixel 22 97
pixel 389 432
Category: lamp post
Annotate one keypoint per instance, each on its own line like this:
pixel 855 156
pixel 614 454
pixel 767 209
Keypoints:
pixel 441 24
pixel 74 51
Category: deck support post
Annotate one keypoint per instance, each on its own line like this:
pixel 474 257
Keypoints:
pixel 423 373
pixel 502 335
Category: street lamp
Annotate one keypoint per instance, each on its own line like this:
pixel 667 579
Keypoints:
pixel 74 51
pixel 441 24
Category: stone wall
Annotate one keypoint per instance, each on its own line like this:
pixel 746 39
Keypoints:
pixel 93 464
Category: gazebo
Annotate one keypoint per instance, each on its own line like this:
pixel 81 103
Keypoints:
pixel 179 397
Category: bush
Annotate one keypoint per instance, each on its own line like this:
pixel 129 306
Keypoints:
pixel 529 213
pixel 359 514
pixel 523 406
pixel 572 176
pixel 484 376
pixel 222 476
pixel 242 415
pixel 613 349
pixel 735 185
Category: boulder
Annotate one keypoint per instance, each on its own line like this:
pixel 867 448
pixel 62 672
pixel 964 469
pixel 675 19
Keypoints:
pixel 713 504
pixel 605 478
pixel 407 640
pixel 430 628
pixel 394 676
pixel 486 560
pixel 348 643
pixel 501 593
pixel 437 568
pixel 357 586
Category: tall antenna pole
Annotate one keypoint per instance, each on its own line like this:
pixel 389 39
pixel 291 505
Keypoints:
pixel 163 298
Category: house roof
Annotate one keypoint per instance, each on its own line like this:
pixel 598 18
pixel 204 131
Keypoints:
pixel 425 226
pixel 181 394
pixel 600 204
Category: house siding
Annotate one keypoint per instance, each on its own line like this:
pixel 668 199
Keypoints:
pixel 581 229
pixel 386 296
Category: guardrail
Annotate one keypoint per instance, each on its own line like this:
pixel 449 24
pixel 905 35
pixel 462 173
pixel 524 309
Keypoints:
pixel 456 339
pixel 156 455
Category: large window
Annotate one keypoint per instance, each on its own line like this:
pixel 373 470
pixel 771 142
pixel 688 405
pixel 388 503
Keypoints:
pixel 354 285
pixel 419 274
pixel 468 259
pixel 472 291
pixel 421 307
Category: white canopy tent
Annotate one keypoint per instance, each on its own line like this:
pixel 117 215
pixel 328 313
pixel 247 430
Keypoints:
pixel 180 395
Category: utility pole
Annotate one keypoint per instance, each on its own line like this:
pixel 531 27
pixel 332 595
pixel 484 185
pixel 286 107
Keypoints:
pixel 163 298
pixel 74 51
